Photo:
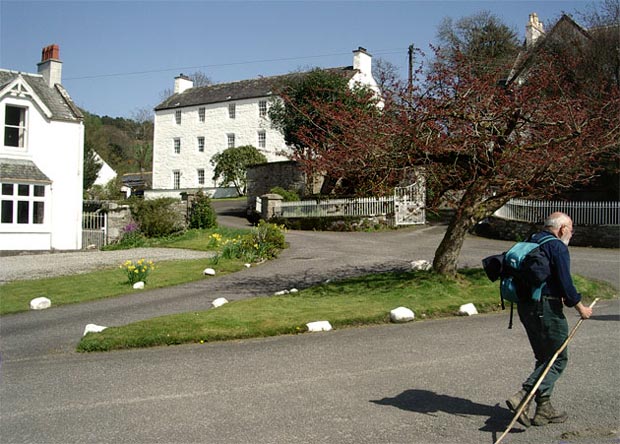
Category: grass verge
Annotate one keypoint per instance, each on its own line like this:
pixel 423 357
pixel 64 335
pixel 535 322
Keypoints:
pixel 109 282
pixel 357 301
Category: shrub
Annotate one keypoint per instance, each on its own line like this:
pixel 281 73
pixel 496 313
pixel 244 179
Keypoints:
pixel 287 195
pixel 157 217
pixel 263 242
pixel 202 214
pixel 131 236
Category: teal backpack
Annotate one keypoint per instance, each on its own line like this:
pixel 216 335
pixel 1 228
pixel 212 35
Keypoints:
pixel 523 271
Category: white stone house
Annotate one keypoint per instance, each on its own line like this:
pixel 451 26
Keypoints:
pixel 194 124
pixel 41 160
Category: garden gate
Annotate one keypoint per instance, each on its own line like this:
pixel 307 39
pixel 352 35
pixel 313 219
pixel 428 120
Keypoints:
pixel 94 229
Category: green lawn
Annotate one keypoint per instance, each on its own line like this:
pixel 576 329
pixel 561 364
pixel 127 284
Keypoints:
pixel 358 301
pixel 16 296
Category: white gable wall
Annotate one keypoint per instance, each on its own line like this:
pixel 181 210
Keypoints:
pixel 215 129
pixel 56 147
pixel 105 174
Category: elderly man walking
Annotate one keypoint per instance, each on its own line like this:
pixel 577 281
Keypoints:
pixel 546 325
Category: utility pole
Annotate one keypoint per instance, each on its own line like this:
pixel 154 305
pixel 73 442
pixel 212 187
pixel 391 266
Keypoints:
pixel 410 80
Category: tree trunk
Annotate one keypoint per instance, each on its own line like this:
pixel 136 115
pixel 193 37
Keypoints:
pixel 447 254
pixel 472 208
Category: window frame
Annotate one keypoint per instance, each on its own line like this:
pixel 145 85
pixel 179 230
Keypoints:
pixel 232 110
pixel 21 128
pixel 176 179
pixel 262 139
pixel 230 140
pixel 201 144
pixel 202 114
pixel 178 116
pixel 177 145
pixel 28 204
pixel 262 108
pixel 200 172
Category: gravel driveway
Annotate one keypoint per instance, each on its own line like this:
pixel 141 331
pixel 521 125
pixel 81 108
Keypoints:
pixel 35 266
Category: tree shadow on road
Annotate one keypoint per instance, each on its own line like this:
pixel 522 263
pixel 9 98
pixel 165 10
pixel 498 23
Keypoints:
pixel 430 403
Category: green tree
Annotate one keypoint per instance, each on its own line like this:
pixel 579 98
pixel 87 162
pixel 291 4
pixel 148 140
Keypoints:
pixel 482 38
pixel 232 163
pixel 296 115
pixel 94 142
pixel 141 150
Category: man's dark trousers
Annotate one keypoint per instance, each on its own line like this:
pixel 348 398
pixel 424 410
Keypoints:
pixel 547 329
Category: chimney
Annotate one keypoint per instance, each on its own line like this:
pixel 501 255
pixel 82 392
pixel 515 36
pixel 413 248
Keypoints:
pixel 533 30
pixel 362 61
pixel 50 66
pixel 181 83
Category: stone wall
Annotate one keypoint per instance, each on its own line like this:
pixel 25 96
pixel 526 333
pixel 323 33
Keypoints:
pixel 119 216
pixel 602 236
pixel 263 177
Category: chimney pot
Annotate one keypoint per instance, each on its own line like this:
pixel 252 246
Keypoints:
pixel 50 52
pixel 50 66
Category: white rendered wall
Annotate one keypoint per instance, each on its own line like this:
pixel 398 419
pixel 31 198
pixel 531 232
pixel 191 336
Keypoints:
pixel 106 173
pixel 57 148
pixel 217 125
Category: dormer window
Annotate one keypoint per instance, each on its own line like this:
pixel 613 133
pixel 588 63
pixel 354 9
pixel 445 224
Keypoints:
pixel 15 126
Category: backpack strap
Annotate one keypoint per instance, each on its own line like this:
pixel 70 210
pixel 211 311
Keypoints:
pixel 537 292
pixel 546 239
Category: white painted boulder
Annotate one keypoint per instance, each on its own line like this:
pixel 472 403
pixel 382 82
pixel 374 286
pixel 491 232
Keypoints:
pixel 93 328
pixel 209 272
pixel 40 303
pixel 138 286
pixel 468 310
pixel 247 265
pixel 422 265
pixel 281 292
pixel 219 302
pixel 319 326
pixel 402 314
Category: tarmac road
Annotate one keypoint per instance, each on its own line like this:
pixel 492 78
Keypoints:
pixel 439 381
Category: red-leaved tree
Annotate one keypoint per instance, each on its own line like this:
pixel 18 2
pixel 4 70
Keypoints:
pixel 481 141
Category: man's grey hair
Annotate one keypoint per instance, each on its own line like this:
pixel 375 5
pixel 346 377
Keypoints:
pixel 556 220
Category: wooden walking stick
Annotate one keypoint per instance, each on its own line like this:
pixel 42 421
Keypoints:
pixel 530 395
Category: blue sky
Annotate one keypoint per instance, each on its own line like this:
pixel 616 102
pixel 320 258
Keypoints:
pixel 118 56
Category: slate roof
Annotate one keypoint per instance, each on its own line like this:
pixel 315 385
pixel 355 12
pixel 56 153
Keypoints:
pixel 245 89
pixel 55 98
pixel 20 170
pixel 138 180
pixel 558 32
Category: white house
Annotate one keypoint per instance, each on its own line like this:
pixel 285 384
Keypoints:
pixel 41 160
pixel 194 124
pixel 105 174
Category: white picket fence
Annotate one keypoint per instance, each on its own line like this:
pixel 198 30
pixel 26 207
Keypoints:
pixel 582 213
pixel 405 206
pixel 366 206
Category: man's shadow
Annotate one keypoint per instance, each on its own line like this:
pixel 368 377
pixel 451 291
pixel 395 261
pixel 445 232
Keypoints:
pixel 430 403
